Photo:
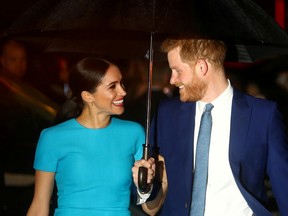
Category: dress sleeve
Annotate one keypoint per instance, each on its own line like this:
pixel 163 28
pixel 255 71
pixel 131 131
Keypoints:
pixel 46 154
pixel 139 144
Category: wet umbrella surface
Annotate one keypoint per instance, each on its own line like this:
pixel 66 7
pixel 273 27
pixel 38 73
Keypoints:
pixel 122 28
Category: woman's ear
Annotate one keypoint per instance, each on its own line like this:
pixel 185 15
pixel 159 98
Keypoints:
pixel 202 66
pixel 86 96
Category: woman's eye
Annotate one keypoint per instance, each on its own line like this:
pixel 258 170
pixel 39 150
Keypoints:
pixel 123 86
pixel 112 87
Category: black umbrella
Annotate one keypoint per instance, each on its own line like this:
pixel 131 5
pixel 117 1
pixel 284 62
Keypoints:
pixel 130 28
pixel 122 28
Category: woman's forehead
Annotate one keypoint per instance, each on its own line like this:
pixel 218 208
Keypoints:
pixel 113 74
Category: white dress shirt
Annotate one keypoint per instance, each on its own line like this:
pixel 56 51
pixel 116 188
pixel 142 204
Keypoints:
pixel 223 197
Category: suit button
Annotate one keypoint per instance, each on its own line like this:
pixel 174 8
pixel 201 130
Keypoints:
pixel 186 205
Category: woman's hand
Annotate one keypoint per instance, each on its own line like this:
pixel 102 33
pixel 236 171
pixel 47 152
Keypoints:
pixel 149 165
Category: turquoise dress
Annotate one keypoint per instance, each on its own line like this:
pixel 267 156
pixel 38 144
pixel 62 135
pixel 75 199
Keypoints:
pixel 92 166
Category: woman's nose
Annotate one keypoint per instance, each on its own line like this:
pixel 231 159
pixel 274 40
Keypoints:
pixel 122 91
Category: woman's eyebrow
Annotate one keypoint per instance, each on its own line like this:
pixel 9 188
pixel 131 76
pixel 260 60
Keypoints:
pixel 112 83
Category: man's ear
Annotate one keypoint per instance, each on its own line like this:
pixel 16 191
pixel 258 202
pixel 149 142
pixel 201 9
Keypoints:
pixel 202 66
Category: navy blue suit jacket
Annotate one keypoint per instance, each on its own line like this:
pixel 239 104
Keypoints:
pixel 258 146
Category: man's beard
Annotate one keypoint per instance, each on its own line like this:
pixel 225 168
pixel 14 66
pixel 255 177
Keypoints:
pixel 194 91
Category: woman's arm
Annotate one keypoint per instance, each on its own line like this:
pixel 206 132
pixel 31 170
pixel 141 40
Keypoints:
pixel 44 184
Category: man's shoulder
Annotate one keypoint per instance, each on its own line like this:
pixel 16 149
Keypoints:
pixel 253 101
pixel 175 102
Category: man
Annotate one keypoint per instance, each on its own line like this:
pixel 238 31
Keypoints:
pixel 24 112
pixel 247 141
pixel 14 59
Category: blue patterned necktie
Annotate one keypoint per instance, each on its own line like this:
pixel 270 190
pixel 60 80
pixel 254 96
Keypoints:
pixel 201 163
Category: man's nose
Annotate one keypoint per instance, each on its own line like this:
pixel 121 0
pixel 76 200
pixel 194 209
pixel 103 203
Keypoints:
pixel 172 79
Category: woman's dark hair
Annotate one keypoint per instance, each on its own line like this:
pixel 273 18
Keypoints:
pixel 85 75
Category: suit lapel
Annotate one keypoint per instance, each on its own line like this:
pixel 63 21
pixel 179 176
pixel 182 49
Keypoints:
pixel 187 120
pixel 239 128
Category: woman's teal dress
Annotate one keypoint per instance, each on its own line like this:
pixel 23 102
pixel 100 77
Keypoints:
pixel 93 167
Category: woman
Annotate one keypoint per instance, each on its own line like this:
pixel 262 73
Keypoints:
pixel 90 155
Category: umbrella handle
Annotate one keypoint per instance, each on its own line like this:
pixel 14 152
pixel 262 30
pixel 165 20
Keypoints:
pixel 143 186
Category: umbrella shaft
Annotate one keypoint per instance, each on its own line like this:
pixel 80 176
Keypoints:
pixel 150 74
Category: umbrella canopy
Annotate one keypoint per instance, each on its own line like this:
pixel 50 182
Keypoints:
pixel 121 28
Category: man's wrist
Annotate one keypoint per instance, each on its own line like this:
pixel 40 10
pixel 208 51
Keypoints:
pixel 142 197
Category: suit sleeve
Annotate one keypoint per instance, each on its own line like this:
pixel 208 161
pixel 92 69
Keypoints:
pixel 277 163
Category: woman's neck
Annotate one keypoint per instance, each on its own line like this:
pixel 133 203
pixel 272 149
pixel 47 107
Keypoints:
pixel 90 120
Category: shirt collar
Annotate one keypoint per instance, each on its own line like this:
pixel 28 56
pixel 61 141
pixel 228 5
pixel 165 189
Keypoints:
pixel 220 101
